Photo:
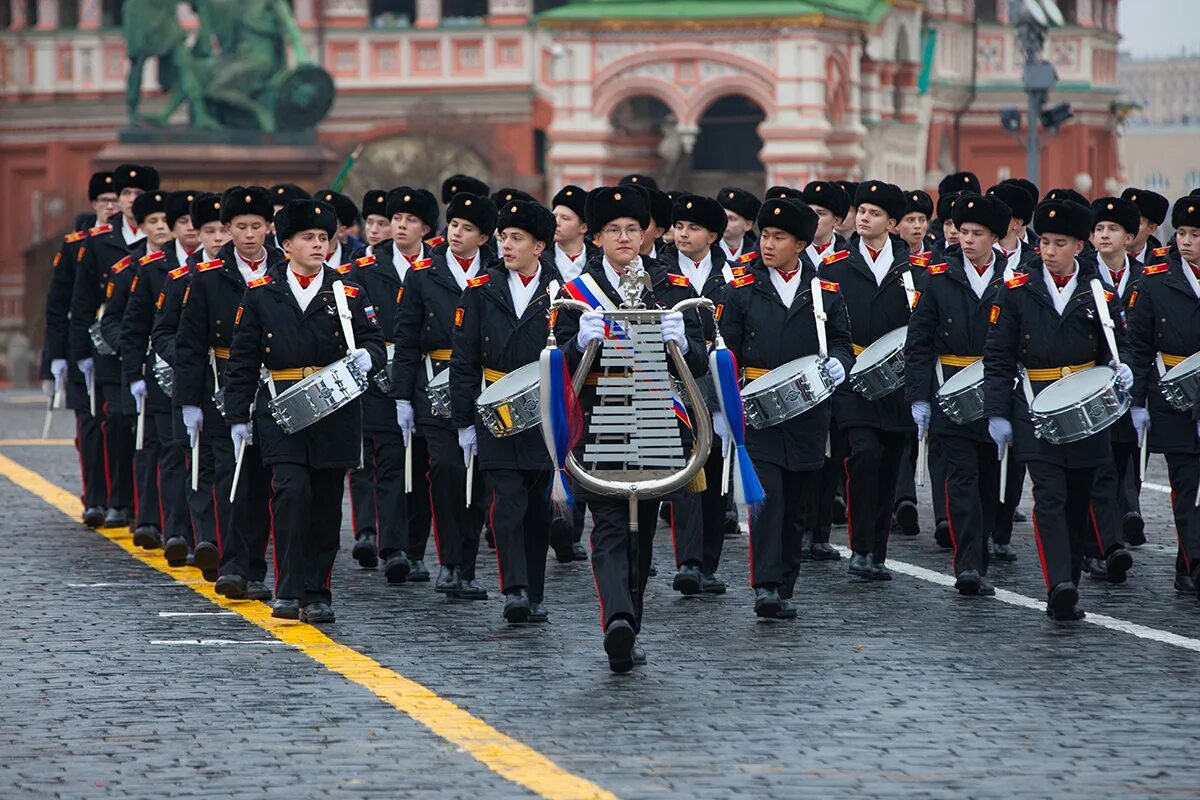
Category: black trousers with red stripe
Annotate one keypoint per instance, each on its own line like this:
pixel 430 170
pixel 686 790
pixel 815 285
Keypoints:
pixel 306 518
pixel 777 529
pixel 1061 518
pixel 209 509
pixel 698 520
pixel 1002 530
pixel 520 520
pixel 378 502
pixel 117 430
pixel 420 502
pixel 173 480
pixel 971 494
pixel 247 529
pixel 833 483
pixel 145 474
pixel 456 526
pixel 1105 513
pixel 872 471
pixel 1183 471
pixel 89 442
pixel 611 556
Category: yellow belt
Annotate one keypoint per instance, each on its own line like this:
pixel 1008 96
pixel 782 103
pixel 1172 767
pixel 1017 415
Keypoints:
pixel 858 348
pixel 440 355
pixel 296 374
pixel 492 375
pixel 1172 361
pixel 1054 373
pixel 221 352
pixel 957 361
pixel 753 373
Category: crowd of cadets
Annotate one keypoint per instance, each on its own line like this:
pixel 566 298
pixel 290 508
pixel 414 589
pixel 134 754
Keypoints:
pixel 235 294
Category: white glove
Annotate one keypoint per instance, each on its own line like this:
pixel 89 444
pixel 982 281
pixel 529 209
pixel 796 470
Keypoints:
pixel 921 412
pixel 1000 430
pixel 241 433
pixel 836 370
pixel 591 329
pixel 672 330
pixel 469 444
pixel 58 368
pixel 193 420
pixel 721 429
pixel 48 387
pixel 405 419
pixel 1124 376
pixel 87 366
pixel 362 359
pixel 1141 422
pixel 138 390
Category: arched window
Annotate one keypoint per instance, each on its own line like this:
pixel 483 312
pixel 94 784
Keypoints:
pixel 464 9
pixel 393 13
pixel 1157 182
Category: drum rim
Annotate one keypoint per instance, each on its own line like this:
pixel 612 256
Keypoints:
pixel 440 378
pixel 1075 377
pixel 949 388
pixel 505 391
pixel 797 365
pixel 1176 372
pixel 876 347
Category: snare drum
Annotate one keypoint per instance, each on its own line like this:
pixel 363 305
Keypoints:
pixel 165 376
pixel 319 395
pixel 1182 383
pixel 383 378
pixel 1078 406
pixel 961 396
pixel 512 404
pixel 787 392
pixel 99 343
pixel 439 394
pixel 879 369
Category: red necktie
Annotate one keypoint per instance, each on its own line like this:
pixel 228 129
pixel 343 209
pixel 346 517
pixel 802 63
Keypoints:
pixel 304 280
pixel 874 253
pixel 526 279
pixel 697 264
pixel 821 248
pixel 573 257
pixel 1195 270
pixel 1062 281
pixel 133 228
pixel 980 269
pixel 465 263
pixel 788 275
pixel 1117 274
pixel 189 252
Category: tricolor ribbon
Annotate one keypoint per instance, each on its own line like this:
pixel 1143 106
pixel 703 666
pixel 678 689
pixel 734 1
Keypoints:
pixel 748 490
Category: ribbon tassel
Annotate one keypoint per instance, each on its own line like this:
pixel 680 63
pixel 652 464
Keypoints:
pixel 562 425
pixel 747 489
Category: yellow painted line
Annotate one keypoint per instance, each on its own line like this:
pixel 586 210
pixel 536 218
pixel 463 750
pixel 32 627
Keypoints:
pixel 26 399
pixel 37 442
pixel 502 754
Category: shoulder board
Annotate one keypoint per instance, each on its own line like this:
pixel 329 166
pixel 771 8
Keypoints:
pixel 263 281
pixel 178 272
pixel 938 269
pixel 351 291
pixel 1017 280
pixel 746 258
pixel 122 264
pixel 833 258
pixel 1160 252
pixel 365 261
pixel 343 269
pixel 150 258
pixel 1154 269
pixel 745 280
pixel 205 266
pixel 99 229
pixel 678 280
pixel 829 286
pixel 422 263
pixel 737 272
pixel 479 281
pixel 1108 295
pixel 919 261
pixel 72 238
pixel 435 241
pixel 57 259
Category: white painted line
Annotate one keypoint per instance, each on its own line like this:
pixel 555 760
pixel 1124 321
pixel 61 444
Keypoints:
pixel 216 642
pixel 138 584
pixel 197 614
pixel 1156 487
pixel 1014 599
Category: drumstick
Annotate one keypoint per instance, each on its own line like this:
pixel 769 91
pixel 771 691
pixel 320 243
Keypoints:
pixel 726 468
pixel 91 390
pixel 60 396
pixel 1144 455
pixel 922 455
pixel 1003 471
pixel 196 461
pixel 49 418
pixel 237 469
pixel 140 441
pixel 470 480
pixel 408 465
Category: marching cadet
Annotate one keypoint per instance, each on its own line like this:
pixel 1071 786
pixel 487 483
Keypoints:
pixel 831 204
pixel 769 320
pixel 572 245
pixel 281 195
pixel 698 519
pixel 500 327
pixel 168 480
pixel 387 521
pixel 875 277
pixel 342 244
pixel 619 217
pixel 846 228
pixel 423 333
pixel 947 333
pixel 638 179
pixel 289 323
pixel 457 184
pixel 1152 210
pixel 946 236
pixel 741 209
pixel 61 366
pixel 109 244
pixel 207 321
pixel 913 227
pixel 777 193
pixel 1164 329
pixel 660 221
pixel 1013 245
pixel 377 226
pixel 1046 320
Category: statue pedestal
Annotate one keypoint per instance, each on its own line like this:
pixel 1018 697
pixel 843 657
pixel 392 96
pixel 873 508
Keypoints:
pixel 214 166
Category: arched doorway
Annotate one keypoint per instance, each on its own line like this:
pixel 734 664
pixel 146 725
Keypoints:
pixel 727 148
pixel 641 126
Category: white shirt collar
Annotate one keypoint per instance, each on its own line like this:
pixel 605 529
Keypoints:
pixel 569 269
pixel 697 273
pixel 522 295
pixel 816 254
pixel 1060 297
pixel 181 255
pixel 335 258
pixel 461 277
pixel 1141 256
pixel 785 289
pixel 128 232
pixel 1107 277
pixel 304 296
pixel 400 261
pixel 244 266
pixel 732 255
pixel 879 266
pixel 977 282
pixel 1190 276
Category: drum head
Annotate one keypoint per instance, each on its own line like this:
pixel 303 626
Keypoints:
pixel 965 378
pixel 781 374
pixel 441 379
pixel 881 349
pixel 1073 389
pixel 511 384
pixel 1185 367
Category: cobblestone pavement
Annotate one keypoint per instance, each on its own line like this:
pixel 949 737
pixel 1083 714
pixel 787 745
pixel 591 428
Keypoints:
pixel 121 681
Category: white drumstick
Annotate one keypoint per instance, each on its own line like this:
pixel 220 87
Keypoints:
pixel 1144 455
pixel 60 396
pixel 922 455
pixel 140 441
pixel 237 470
pixel 408 466
pixel 470 481
pixel 196 462
pixel 49 418
pixel 1003 472
pixel 91 390
pixel 726 468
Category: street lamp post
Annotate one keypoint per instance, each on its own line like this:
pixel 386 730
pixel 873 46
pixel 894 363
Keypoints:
pixel 1039 78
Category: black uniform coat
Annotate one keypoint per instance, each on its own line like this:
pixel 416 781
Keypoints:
pixel 57 340
pixel 1164 317
pixel 274 332
pixel 874 309
pixel 207 318
pixel 1123 430
pixel 105 248
pixel 948 320
pixel 763 333
pixel 1028 331
pixel 166 317
pixel 145 297
pixel 424 323
pixel 489 335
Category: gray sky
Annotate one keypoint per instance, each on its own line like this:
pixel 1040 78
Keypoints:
pixel 1157 28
